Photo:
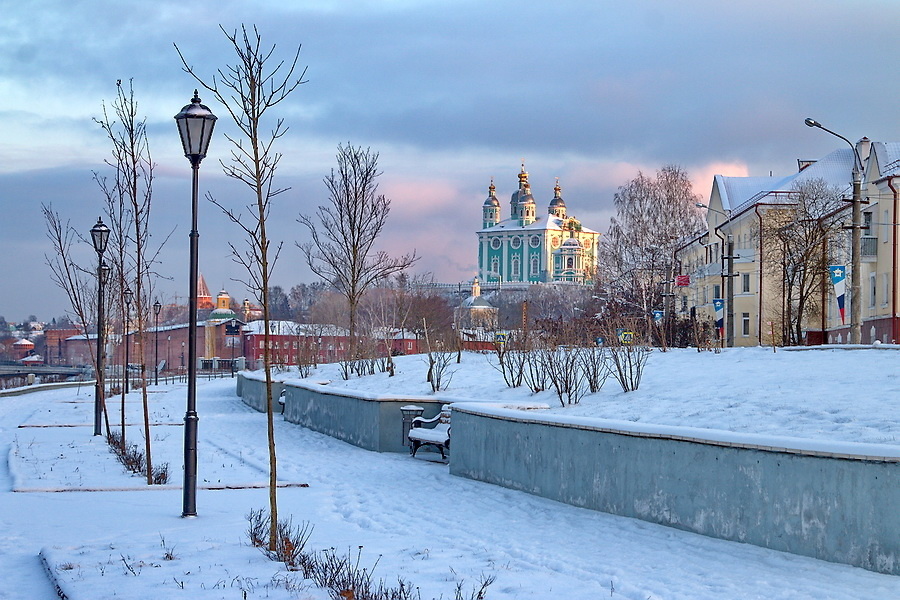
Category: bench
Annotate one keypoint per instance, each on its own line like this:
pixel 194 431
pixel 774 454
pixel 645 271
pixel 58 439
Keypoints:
pixel 437 436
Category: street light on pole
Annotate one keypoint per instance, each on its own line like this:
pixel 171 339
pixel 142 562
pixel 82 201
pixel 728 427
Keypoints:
pixel 195 126
pixel 129 297
pixel 855 239
pixel 99 237
pixel 157 307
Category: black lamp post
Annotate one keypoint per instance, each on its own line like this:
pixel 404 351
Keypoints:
pixel 855 239
pixel 195 126
pixel 99 237
pixel 128 295
pixel 157 307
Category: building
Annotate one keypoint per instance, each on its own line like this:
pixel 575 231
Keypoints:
pixel 528 247
pixel 739 208
pixel 292 343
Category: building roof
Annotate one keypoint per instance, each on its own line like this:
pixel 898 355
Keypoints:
pixel 738 193
pixel 541 223
pixel 298 329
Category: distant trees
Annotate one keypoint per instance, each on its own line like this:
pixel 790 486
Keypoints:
pixel 342 249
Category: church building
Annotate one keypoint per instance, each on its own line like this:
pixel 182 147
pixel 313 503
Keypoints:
pixel 532 248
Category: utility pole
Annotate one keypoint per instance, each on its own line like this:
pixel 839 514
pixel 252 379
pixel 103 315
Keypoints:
pixel 855 238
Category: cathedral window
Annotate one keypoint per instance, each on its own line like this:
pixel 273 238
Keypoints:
pixel 570 263
pixel 516 272
pixel 495 243
pixel 516 243
pixel 534 266
pixel 535 241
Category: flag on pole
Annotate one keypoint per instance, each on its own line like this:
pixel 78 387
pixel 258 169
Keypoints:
pixel 719 305
pixel 839 281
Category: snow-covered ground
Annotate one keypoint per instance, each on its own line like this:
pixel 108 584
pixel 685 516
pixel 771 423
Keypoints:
pixel 107 534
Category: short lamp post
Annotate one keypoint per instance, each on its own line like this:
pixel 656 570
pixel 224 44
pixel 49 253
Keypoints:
pixel 195 126
pixel 855 239
pixel 157 307
pixel 99 237
pixel 128 295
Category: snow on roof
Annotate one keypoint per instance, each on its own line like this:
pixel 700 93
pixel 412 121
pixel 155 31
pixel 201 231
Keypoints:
pixel 542 223
pixel 738 193
pixel 291 328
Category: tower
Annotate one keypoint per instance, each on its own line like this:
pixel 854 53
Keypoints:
pixel 491 210
pixel 557 205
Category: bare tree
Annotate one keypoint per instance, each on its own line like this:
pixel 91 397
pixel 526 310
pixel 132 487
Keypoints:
pixel 129 195
pixel 74 280
pixel 652 214
pixel 248 89
pixel 800 242
pixel 342 249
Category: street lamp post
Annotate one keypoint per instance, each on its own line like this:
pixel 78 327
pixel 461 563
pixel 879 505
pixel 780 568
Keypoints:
pixel 129 296
pixel 855 239
pixel 99 237
pixel 195 126
pixel 157 307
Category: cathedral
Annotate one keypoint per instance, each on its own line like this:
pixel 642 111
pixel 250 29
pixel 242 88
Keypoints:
pixel 532 248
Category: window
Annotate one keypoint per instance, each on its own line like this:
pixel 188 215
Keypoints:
pixel 570 263
pixel 885 229
pixel 534 266
pixel 717 291
pixel 745 324
pixel 516 243
pixel 516 270
pixel 495 268
pixel 261 344
pixel 535 241
pixel 495 243
pixel 409 346
pixel 745 283
pixel 872 290
pixel 885 287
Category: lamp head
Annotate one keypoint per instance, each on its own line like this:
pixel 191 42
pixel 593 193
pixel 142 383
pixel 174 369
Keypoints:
pixel 157 307
pixel 812 123
pixel 195 126
pixel 99 236
pixel 128 295
pixel 104 273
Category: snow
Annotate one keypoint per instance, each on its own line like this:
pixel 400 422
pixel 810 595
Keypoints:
pixel 105 534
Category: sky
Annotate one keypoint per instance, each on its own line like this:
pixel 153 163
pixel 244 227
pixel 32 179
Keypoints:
pixel 450 94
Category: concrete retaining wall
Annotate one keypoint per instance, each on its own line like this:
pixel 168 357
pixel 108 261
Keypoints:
pixel 368 421
pixel 252 390
pixel 836 506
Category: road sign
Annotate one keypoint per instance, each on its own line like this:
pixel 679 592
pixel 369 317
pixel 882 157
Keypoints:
pixel 500 338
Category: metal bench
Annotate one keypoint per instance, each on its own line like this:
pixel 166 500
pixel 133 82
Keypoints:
pixel 423 434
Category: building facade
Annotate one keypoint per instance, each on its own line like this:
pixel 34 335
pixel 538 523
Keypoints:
pixel 528 247
pixel 739 210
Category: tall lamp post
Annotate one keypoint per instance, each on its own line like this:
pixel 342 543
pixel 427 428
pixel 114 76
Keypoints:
pixel 855 239
pixel 99 237
pixel 157 307
pixel 195 126
pixel 129 297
